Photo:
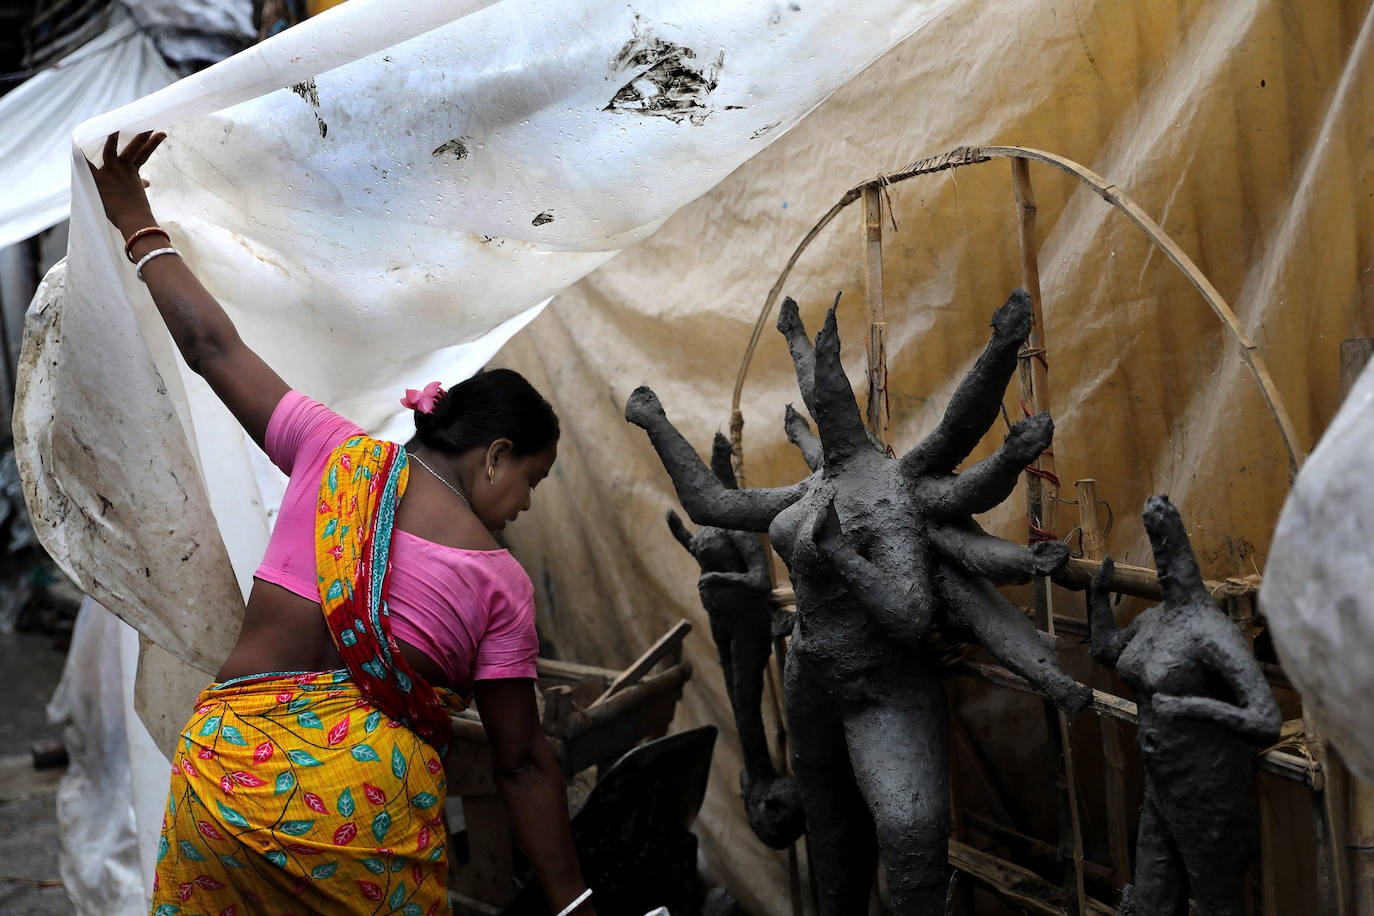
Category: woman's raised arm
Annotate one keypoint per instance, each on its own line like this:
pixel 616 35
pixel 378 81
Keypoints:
pixel 207 339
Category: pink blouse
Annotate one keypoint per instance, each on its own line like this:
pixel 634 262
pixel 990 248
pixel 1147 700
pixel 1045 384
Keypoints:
pixel 470 611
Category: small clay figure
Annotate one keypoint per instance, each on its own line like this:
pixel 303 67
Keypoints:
pixel 735 590
pixel 878 549
pixel 1204 709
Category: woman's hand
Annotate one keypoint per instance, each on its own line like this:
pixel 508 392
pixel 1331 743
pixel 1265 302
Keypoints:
pixel 120 187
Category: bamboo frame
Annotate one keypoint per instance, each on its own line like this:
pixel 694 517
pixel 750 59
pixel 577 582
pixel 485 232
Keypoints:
pixel 970 155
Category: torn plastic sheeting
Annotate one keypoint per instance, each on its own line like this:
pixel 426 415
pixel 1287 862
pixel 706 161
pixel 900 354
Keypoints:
pixel 434 173
pixel 1318 592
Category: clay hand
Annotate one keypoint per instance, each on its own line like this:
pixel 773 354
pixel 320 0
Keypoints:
pixel 643 407
pixel 679 530
pixel 816 541
pixel 1174 705
pixel 117 179
pixel 1103 580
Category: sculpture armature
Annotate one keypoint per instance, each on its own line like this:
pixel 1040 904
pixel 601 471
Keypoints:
pixel 735 590
pixel 1204 708
pixel 877 548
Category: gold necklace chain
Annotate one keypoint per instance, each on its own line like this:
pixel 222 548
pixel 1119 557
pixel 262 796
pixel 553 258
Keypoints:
pixel 456 492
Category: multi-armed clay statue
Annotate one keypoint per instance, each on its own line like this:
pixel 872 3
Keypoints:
pixel 735 590
pixel 1204 708
pixel 879 549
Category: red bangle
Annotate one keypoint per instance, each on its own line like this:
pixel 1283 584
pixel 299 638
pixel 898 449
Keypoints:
pixel 145 231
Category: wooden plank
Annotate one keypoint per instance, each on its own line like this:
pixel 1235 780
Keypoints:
pixel 571 672
pixel 1016 884
pixel 1280 763
pixel 641 666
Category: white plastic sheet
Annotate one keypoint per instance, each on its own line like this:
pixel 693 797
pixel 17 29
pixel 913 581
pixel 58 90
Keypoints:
pixel 435 172
pixel 110 798
pixel 1318 591
pixel 38 117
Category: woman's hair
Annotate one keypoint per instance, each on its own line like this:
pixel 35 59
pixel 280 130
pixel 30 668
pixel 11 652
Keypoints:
pixel 493 404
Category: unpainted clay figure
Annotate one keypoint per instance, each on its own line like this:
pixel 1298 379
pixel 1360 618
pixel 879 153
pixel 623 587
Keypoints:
pixel 735 590
pixel 1204 709
pixel 878 550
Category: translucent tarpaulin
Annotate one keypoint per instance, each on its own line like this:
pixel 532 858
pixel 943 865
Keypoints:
pixel 433 174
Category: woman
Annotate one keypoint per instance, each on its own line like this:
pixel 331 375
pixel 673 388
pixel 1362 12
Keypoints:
pixel 310 778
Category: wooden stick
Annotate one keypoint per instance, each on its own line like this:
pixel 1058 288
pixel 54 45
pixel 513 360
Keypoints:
pixel 1040 495
pixel 877 316
pixel 641 666
pixel 1016 884
pixel 1113 742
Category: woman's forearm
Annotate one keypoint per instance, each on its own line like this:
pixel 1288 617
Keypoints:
pixel 537 801
pixel 197 322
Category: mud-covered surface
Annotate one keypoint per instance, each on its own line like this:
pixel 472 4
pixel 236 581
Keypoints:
pixel 458 147
pixel 309 91
pixel 663 79
pixel 879 550
pixel 1205 708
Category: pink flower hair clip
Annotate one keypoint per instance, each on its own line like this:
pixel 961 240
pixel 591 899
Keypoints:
pixel 424 400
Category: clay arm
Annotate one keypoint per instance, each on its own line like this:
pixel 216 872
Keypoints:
pixel 706 499
pixel 799 434
pixel 990 481
pixel 900 604
pixel 679 530
pixel 1011 638
pixel 978 400
pixel 971 548
pixel 1256 716
pixel 803 353
pixel 1107 641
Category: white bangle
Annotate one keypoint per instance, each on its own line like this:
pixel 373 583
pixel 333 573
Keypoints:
pixel 138 268
pixel 581 899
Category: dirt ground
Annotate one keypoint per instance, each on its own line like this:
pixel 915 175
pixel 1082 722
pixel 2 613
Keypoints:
pixel 30 667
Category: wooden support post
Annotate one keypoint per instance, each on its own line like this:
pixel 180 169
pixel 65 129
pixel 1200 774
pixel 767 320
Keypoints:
pixel 1039 501
pixel 877 315
pixel 1113 739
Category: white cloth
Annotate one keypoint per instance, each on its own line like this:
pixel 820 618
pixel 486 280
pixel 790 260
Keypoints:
pixel 38 117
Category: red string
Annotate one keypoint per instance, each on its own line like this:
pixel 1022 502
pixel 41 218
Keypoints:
pixel 1038 534
pixel 1043 475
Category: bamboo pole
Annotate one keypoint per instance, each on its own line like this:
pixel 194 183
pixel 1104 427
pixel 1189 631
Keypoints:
pixel 877 316
pixel 1040 496
pixel 1113 741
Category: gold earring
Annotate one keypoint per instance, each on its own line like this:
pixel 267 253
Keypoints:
pixel 491 475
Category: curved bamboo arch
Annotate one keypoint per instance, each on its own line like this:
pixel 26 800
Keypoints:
pixel 970 155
